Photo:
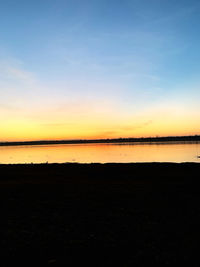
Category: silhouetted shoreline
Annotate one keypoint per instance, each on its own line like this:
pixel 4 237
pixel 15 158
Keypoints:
pixel 100 214
pixel 192 138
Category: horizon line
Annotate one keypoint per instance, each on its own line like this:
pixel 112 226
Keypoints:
pixel 101 140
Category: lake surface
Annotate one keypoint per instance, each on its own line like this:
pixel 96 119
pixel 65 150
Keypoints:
pixel 102 153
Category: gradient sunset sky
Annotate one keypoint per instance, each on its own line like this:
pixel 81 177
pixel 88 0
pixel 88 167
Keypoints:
pixel 99 68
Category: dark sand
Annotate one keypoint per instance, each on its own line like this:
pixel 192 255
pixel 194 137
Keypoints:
pixel 100 215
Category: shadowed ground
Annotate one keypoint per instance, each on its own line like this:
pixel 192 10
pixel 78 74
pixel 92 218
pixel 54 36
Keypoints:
pixel 100 215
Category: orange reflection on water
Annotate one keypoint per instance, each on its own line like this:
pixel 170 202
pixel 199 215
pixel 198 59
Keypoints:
pixel 87 153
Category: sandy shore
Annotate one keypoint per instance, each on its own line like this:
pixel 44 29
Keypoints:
pixel 100 215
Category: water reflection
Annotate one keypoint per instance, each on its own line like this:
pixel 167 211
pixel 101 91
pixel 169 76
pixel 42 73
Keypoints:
pixel 87 153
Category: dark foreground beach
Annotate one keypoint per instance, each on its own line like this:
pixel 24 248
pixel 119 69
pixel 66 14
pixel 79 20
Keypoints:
pixel 100 215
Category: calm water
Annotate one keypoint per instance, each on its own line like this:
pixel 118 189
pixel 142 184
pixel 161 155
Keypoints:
pixel 87 153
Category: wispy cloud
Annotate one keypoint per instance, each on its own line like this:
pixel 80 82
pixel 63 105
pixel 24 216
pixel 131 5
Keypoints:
pixel 14 76
pixel 20 74
pixel 19 88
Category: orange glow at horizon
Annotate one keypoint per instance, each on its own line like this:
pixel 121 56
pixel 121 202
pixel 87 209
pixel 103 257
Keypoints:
pixel 96 128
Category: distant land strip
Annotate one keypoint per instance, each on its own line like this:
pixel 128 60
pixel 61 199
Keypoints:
pixel 192 138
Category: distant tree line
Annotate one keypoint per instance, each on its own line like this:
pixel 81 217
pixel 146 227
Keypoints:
pixel 192 138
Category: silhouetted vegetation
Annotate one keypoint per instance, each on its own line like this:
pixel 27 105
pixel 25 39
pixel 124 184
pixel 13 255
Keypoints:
pixel 192 138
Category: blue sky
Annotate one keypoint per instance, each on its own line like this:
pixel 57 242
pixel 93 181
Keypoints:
pixel 67 65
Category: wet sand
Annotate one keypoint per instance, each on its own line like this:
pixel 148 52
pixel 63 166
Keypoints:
pixel 100 214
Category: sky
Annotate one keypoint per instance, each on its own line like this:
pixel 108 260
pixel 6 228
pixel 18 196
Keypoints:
pixel 81 69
